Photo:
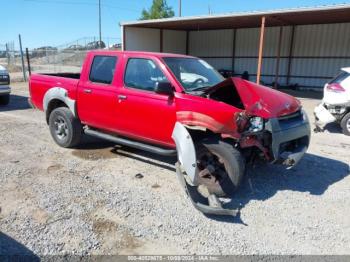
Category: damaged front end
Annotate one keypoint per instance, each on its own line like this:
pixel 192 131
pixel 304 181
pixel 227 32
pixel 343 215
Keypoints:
pixel 265 124
pixel 281 140
pixel 272 126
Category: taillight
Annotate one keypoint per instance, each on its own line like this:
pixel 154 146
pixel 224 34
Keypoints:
pixel 335 87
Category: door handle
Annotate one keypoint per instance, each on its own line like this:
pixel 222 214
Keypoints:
pixel 88 91
pixel 122 97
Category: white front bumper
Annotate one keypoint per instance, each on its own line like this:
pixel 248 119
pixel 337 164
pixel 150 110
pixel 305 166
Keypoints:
pixel 4 90
pixel 323 116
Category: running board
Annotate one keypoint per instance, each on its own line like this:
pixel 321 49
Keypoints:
pixel 131 143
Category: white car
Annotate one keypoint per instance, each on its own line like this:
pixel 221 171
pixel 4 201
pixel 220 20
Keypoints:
pixel 335 106
pixel 5 89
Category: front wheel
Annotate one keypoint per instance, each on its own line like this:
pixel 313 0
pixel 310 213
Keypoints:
pixel 220 166
pixel 345 124
pixel 65 128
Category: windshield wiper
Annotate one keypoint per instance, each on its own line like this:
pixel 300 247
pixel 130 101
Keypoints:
pixel 199 88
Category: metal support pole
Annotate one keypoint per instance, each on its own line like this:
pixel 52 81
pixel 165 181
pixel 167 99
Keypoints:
pixel 233 51
pixel 291 47
pixel 99 21
pixel 161 40
pixel 261 47
pixel 187 42
pixel 123 38
pixel 180 7
pixel 22 58
pixel 278 57
pixel 28 62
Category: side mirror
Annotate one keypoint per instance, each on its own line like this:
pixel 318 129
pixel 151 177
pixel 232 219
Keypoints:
pixel 164 88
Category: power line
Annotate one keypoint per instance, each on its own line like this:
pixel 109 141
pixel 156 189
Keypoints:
pixel 83 3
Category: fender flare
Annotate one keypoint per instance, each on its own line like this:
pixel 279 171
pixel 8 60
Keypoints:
pixel 186 152
pixel 60 94
pixel 187 164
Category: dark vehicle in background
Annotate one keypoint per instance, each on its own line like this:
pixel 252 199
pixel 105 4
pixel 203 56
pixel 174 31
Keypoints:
pixel 116 47
pixel 5 89
pixel 44 51
pixel 95 45
pixel 74 48
pixel 2 54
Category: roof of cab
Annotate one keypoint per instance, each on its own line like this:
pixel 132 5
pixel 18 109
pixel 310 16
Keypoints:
pixel 156 54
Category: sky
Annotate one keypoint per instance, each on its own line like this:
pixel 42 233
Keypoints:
pixel 56 22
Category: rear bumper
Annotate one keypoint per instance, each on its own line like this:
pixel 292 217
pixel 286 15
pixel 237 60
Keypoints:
pixel 323 116
pixel 290 140
pixel 5 90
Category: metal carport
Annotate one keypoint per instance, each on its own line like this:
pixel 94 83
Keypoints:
pixel 303 46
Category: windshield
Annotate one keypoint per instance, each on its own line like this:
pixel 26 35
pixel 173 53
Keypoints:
pixel 193 73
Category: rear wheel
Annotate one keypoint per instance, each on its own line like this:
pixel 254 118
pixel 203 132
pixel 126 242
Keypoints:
pixel 345 124
pixel 4 100
pixel 65 129
pixel 220 166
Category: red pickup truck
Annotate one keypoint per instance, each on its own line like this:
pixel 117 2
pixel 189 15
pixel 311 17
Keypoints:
pixel 174 104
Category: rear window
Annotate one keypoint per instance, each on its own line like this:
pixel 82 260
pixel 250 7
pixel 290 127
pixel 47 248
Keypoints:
pixel 339 78
pixel 102 69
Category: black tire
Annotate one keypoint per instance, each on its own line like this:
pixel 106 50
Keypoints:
pixel 5 100
pixel 65 129
pixel 345 124
pixel 228 158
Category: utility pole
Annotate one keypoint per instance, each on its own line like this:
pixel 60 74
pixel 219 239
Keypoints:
pixel 99 21
pixel 180 8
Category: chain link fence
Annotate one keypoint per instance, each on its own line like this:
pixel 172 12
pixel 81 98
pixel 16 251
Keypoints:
pixel 64 58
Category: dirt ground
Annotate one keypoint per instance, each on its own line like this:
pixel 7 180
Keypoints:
pixel 106 199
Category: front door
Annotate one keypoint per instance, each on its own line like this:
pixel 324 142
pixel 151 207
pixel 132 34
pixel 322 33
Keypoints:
pixel 145 114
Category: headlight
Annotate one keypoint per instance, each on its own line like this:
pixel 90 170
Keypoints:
pixel 256 124
pixel 305 117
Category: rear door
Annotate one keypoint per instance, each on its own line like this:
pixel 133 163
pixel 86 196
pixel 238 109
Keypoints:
pixel 97 92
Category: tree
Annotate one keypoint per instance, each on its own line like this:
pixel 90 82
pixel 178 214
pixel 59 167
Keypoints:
pixel 159 9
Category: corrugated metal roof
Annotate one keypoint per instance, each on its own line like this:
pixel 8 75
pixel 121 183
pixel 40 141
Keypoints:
pixel 303 15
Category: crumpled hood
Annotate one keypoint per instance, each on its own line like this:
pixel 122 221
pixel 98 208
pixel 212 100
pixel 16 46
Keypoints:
pixel 260 100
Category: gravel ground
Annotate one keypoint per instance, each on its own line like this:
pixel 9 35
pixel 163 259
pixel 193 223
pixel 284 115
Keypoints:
pixel 91 201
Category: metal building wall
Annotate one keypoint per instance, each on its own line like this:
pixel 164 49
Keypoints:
pixel 320 51
pixel 247 46
pixel 316 55
pixel 141 39
pixel 149 39
pixel 215 46
pixel 174 41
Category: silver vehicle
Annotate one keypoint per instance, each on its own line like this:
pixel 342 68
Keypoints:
pixel 5 89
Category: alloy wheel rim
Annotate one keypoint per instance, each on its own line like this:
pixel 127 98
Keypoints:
pixel 61 128
pixel 211 169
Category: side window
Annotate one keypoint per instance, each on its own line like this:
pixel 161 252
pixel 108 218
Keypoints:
pixel 102 69
pixel 143 74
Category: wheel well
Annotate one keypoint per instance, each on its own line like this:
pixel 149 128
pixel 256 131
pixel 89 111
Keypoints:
pixel 54 103
pixel 197 134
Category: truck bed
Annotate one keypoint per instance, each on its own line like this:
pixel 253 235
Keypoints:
pixel 66 75
pixel 40 83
